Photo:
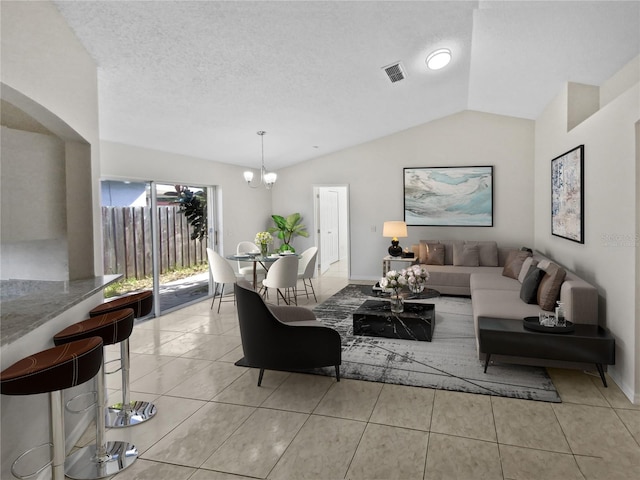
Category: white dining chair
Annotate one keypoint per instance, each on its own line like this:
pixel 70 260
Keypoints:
pixel 222 273
pixel 306 268
pixel 246 268
pixel 283 276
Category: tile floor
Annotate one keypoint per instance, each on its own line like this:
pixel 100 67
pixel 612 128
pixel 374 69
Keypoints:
pixel 214 423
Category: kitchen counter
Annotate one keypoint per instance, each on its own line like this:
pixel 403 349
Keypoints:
pixel 28 304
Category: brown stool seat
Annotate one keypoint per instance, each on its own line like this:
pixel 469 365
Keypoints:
pixel 113 327
pixel 141 303
pixel 54 369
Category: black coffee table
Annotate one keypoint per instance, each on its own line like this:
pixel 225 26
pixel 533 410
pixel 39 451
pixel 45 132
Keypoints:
pixel 586 344
pixel 374 318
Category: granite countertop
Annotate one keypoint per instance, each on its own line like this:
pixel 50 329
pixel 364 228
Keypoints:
pixel 27 304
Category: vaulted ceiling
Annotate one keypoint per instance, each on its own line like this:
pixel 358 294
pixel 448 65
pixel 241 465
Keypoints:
pixel 200 78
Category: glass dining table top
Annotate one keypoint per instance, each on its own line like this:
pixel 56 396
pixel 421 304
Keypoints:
pixel 250 257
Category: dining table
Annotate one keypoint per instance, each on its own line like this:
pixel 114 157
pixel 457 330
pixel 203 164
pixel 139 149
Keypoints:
pixel 263 260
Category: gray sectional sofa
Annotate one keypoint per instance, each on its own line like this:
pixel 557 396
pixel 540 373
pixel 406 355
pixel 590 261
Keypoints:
pixel 478 269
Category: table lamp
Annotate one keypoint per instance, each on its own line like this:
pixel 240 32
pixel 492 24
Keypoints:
pixel 394 229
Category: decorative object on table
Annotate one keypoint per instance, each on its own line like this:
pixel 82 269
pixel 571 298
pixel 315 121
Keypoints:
pixel 288 228
pixel 394 281
pixel 393 230
pixel 263 240
pixel 536 324
pixel 416 276
pixel 407 254
pixel 567 196
pixel 449 196
pixel 268 179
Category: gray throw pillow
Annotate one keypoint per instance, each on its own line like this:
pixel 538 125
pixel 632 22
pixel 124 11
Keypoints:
pixel 530 284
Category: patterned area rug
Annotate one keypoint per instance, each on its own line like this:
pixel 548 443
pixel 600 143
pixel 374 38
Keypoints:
pixel 449 362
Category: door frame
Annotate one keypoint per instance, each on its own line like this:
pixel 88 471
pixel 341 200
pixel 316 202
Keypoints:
pixel 345 227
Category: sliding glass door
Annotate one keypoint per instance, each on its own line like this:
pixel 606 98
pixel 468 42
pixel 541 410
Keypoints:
pixel 155 235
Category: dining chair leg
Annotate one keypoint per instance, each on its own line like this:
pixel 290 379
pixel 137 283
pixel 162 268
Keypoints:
pixel 337 373
pixel 313 290
pixel 215 290
pixel 260 375
pixel 221 295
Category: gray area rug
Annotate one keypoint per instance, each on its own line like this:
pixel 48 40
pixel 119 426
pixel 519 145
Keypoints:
pixel 449 362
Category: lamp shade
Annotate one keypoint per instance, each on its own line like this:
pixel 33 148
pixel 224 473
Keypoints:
pixel 394 229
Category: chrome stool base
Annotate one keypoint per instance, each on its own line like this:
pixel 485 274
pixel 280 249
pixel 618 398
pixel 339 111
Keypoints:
pixel 138 412
pixel 86 465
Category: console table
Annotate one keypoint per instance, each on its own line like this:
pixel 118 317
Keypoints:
pixel 586 344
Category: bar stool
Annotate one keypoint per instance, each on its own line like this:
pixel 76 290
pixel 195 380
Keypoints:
pixel 104 458
pixel 51 371
pixel 129 412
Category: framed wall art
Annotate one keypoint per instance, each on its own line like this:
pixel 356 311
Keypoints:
pixel 567 195
pixel 448 196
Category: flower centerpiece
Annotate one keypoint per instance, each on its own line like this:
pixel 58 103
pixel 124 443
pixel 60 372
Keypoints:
pixel 394 281
pixel 263 240
pixel 417 276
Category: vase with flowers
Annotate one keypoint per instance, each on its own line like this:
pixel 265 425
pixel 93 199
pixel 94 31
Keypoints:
pixel 393 282
pixel 263 240
pixel 417 276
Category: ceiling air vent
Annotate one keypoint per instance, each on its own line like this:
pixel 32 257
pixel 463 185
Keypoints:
pixel 395 71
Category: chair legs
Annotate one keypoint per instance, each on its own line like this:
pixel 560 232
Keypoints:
pixel 215 294
pixel 128 412
pixel 260 376
pixel 313 291
pixel 104 458
pixel 337 373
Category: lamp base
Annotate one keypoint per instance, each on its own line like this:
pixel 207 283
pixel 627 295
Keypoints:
pixel 395 250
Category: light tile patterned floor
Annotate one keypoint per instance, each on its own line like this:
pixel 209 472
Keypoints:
pixel 214 423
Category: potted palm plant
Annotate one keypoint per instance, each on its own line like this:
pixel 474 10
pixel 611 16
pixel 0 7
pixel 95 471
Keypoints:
pixel 286 229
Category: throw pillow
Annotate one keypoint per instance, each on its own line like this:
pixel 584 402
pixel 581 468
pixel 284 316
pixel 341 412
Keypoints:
pixel 528 263
pixel 423 252
pixel 466 255
pixel 488 252
pixel 436 254
pixel 513 264
pixel 529 288
pixel 549 288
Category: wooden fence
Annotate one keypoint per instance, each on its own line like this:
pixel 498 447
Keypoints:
pixel 127 241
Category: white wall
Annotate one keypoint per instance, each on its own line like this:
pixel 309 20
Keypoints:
pixel 45 63
pixel 374 173
pixel 47 74
pixel 244 211
pixel 607 258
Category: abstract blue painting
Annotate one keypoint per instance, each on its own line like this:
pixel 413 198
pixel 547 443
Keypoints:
pixel 449 196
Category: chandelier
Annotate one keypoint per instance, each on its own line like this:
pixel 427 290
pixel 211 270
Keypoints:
pixel 266 178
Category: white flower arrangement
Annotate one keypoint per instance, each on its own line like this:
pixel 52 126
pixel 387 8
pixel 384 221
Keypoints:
pixel 416 276
pixel 263 238
pixel 393 280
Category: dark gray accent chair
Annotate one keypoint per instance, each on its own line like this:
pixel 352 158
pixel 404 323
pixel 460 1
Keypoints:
pixel 285 338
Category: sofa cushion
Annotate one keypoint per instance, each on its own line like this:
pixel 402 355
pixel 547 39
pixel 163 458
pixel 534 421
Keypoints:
pixel 529 288
pixel 514 262
pixel 466 255
pixel 490 278
pixel 423 249
pixel 549 288
pixel 436 254
pixel 488 253
pixel 526 265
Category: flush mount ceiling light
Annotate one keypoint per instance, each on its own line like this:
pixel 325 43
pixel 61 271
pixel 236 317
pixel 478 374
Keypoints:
pixel 439 59
pixel 266 178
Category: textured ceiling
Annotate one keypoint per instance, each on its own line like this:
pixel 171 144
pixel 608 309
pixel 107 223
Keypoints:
pixel 201 78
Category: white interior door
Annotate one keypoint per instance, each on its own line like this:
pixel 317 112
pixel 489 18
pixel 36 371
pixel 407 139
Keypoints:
pixel 329 228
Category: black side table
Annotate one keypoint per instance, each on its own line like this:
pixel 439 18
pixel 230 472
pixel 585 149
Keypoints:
pixel 587 343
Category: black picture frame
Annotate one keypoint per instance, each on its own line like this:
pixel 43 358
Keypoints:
pixel 448 196
pixel 567 195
